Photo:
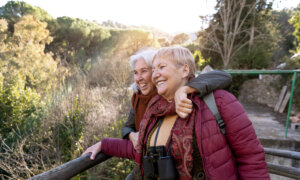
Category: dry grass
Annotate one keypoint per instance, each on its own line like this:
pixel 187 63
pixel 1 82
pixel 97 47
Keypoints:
pixel 103 96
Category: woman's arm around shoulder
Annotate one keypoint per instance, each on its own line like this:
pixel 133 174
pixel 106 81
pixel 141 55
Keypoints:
pixel 202 85
pixel 207 82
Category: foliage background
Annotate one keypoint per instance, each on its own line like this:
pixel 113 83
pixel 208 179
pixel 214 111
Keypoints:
pixel 63 81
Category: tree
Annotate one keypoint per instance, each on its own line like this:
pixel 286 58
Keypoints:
pixel 286 30
pixel 23 54
pixel 233 27
pixel 163 42
pixel 180 38
pixel 12 11
pixel 124 43
pixel 76 40
pixel 20 105
pixel 295 21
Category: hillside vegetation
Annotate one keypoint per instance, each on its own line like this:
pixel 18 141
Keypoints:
pixel 64 82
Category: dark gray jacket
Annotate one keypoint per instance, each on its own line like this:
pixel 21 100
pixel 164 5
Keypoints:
pixel 204 83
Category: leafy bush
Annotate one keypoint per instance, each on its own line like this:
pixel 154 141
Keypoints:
pixel 20 107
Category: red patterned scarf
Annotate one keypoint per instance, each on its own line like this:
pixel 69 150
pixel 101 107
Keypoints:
pixel 182 134
pixel 139 103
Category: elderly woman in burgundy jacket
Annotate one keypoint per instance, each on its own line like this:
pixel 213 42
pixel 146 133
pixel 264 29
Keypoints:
pixel 196 143
pixel 144 90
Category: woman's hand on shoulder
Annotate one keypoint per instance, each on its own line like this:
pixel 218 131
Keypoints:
pixel 94 149
pixel 184 105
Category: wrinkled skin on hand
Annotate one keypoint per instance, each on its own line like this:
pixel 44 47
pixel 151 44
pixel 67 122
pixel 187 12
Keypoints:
pixel 94 149
pixel 184 105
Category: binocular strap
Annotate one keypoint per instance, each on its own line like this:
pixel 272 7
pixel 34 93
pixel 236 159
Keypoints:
pixel 158 128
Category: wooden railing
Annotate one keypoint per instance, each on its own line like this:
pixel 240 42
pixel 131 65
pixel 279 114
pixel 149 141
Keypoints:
pixel 71 168
pixel 78 165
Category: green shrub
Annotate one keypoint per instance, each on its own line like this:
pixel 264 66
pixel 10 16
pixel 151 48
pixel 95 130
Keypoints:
pixel 257 58
pixel 20 108
pixel 68 133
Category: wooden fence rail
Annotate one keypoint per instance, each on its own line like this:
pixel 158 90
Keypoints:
pixel 71 168
pixel 80 164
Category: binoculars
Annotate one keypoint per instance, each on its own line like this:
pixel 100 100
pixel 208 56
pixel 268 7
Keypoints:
pixel 157 164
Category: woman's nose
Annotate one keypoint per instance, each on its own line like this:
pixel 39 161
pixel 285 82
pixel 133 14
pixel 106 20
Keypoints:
pixel 139 77
pixel 155 74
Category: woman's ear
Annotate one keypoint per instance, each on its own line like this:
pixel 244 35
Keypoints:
pixel 186 71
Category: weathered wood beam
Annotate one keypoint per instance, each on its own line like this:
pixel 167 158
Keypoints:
pixel 80 164
pixel 71 168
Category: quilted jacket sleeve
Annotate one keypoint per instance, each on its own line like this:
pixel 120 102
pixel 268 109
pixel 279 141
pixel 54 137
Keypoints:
pixel 241 136
pixel 118 147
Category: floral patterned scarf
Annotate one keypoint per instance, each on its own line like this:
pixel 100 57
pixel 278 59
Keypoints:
pixel 181 134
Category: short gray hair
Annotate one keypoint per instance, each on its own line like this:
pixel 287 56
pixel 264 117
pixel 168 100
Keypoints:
pixel 179 55
pixel 146 54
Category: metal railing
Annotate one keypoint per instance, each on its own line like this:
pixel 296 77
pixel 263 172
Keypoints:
pixel 286 171
pixel 78 165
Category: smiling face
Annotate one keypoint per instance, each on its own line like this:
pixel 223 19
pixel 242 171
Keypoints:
pixel 167 77
pixel 142 76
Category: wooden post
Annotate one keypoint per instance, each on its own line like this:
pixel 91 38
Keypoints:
pixel 281 96
pixel 285 101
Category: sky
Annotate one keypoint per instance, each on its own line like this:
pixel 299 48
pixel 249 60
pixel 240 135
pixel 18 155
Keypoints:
pixel 171 16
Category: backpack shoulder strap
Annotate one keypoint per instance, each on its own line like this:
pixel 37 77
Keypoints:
pixel 212 106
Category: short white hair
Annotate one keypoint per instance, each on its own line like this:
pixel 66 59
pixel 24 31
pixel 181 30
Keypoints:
pixel 145 53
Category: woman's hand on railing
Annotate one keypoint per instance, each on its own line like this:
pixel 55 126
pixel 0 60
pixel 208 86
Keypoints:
pixel 184 105
pixel 94 149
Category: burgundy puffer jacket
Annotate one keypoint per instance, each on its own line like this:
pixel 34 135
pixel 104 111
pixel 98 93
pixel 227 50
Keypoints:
pixel 238 155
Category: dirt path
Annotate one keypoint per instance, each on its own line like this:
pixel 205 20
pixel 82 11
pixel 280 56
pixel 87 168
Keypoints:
pixel 269 124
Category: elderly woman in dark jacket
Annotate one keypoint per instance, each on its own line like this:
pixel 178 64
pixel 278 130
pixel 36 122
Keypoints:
pixel 196 143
